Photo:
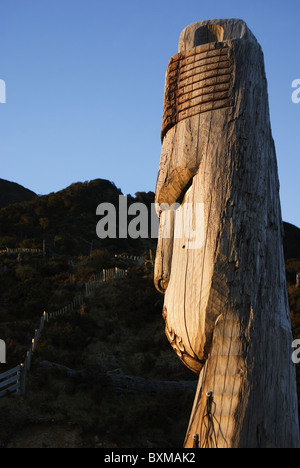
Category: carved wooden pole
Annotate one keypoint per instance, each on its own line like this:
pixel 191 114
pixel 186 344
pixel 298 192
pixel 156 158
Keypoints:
pixel 226 307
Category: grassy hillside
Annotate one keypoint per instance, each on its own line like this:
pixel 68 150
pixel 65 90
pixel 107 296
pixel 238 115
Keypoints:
pixel 120 329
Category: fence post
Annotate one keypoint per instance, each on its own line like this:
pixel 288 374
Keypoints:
pixel 42 322
pixel 28 360
pixel 22 388
pixel 18 392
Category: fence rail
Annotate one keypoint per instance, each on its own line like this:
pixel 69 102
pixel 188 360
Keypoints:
pixel 14 380
pixel 10 381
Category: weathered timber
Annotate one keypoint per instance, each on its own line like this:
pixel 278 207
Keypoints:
pixel 226 308
pixel 127 384
pixel 121 383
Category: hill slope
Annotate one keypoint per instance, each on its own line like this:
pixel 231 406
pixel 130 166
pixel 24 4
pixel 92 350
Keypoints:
pixel 10 193
pixel 291 241
pixel 120 329
pixel 66 220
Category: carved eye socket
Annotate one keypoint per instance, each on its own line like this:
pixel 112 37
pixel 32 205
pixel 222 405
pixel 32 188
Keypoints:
pixel 209 33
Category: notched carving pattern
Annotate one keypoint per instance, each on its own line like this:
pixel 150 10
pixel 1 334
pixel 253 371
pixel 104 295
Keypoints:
pixel 197 81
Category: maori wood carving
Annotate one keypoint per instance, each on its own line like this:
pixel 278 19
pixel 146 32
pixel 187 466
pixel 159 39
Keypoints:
pixel 225 308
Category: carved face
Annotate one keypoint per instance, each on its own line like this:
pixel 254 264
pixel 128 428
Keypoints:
pixel 184 271
pixel 195 173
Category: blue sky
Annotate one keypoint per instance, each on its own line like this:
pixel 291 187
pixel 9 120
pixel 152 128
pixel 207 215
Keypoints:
pixel 85 85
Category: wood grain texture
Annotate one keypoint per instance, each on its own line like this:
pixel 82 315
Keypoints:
pixel 226 308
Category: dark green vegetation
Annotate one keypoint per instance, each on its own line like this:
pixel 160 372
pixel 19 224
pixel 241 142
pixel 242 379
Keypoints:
pixel 118 329
pixel 67 220
pixel 291 241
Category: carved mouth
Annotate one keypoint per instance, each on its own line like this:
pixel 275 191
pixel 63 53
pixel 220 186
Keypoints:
pixel 190 360
pixel 179 187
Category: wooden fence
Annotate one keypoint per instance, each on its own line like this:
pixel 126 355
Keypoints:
pixel 9 251
pixel 10 381
pixel 134 258
pixel 105 275
pixel 14 380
